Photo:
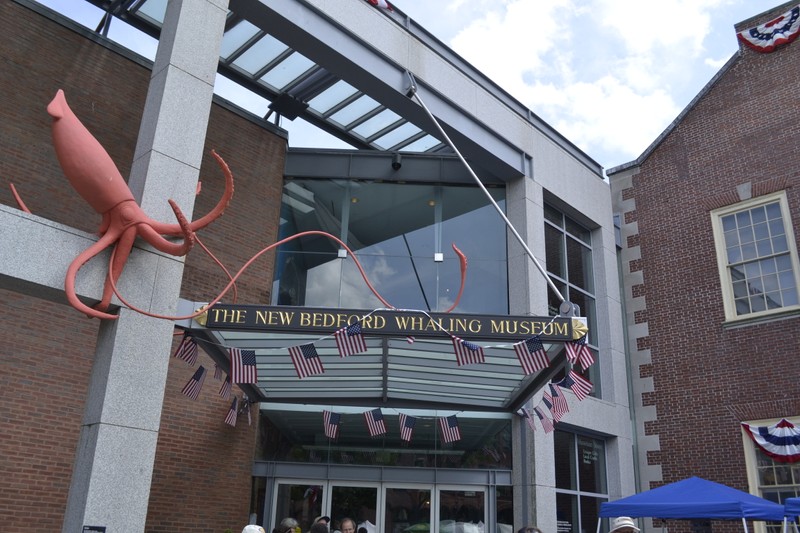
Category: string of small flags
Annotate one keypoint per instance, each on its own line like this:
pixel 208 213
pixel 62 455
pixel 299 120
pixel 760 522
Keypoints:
pixel 376 425
pixel 554 402
pixel 243 370
pixel 349 340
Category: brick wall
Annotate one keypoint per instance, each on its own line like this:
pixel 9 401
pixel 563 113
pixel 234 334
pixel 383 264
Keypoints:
pixel 707 378
pixel 201 479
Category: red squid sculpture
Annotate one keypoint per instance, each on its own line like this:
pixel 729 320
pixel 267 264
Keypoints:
pixel 92 173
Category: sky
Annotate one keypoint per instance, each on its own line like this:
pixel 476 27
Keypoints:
pixel 609 75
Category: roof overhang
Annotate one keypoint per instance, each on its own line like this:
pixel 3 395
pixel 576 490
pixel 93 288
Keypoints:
pixel 393 372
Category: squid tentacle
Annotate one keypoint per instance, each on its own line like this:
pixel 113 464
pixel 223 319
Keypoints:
pixel 72 272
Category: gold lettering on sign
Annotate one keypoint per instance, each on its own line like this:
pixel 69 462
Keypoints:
pixel 230 316
pixel 274 318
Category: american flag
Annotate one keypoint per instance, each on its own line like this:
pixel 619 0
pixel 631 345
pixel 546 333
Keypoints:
pixel 246 407
pixel 532 355
pixel 449 427
pixel 230 418
pixel 547 424
pixel 579 351
pixel 547 400
pixel 467 353
pixel 193 386
pixel 306 361
pixel 243 366
pixel 528 418
pixel 349 340
pixel 560 407
pixel 382 4
pixel 491 452
pixel 225 389
pixel 187 349
pixel 375 422
pixel 331 421
pixel 407 424
pixel 217 372
pixel 577 384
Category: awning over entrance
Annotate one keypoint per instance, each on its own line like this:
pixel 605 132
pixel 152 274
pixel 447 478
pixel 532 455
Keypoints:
pixel 412 367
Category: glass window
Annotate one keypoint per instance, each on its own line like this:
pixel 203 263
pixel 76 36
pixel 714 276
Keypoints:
pixel 757 257
pixel 568 253
pixel 461 511
pixel 775 480
pixel 580 465
pixel 407 510
pixel 395 231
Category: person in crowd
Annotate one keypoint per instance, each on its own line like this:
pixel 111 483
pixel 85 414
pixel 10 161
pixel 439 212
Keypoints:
pixel 529 529
pixel 288 525
pixel 324 519
pixel 348 525
pixel 252 528
pixel 319 527
pixel 623 524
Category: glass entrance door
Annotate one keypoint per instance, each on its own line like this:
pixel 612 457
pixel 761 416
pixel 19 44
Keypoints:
pixel 407 510
pixel 462 511
pixel 302 502
pixel 358 503
pixel 383 508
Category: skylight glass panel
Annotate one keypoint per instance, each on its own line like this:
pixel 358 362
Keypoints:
pixel 133 39
pixel 332 96
pixel 240 96
pixel 84 13
pixel 287 71
pixel 154 11
pixel 396 136
pixel 356 109
pixel 260 54
pixel 422 145
pixel 371 126
pixel 235 37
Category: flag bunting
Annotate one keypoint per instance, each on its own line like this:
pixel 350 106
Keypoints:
pixel 450 430
pixel 331 422
pixel 781 441
pixel 243 366
pixel 230 418
pixel 187 349
pixel 532 355
pixel 407 424
pixel 195 383
pixel 375 424
pixel 467 353
pixel 777 32
pixel 349 340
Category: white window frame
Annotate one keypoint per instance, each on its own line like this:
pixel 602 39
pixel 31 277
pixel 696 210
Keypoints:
pixel 722 256
pixel 751 461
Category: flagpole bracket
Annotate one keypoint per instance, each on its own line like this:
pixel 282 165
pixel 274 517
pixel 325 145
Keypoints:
pixel 411 90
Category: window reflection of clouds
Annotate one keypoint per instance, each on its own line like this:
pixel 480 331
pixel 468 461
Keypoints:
pixel 393 230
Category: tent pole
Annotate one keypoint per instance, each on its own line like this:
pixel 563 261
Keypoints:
pixel 744 523
pixel 599 521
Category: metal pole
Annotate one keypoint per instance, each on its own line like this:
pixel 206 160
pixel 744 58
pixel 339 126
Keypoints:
pixel 412 91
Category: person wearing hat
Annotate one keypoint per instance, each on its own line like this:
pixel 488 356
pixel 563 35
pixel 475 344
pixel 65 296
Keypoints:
pixel 623 524
pixel 252 528
pixel 324 519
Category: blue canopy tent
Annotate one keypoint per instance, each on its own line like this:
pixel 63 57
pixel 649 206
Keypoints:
pixel 792 506
pixel 694 498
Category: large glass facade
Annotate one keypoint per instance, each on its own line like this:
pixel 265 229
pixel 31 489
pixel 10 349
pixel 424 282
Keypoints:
pixel 294 436
pixel 402 234
pixel 580 464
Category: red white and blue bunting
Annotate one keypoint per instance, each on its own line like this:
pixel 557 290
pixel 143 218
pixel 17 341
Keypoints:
pixel 781 441
pixel 770 35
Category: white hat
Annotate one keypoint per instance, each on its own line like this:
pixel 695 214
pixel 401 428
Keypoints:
pixel 253 529
pixel 619 523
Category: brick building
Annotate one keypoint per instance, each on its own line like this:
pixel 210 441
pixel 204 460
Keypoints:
pixel 96 430
pixel 711 337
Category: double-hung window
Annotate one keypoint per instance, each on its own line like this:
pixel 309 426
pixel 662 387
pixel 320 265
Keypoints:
pixel 757 257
